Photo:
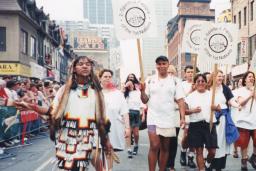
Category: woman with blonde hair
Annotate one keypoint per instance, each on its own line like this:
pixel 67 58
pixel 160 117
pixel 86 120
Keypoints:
pixel 227 132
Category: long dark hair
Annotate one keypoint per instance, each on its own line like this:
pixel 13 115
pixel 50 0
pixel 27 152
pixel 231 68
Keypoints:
pixel 135 81
pixel 245 76
pixel 127 90
pixel 92 78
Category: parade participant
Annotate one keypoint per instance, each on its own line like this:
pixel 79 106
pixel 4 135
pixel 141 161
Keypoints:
pixel 116 111
pixel 174 140
pixel 188 88
pixel 160 93
pixel 246 120
pixel 227 133
pixel 135 105
pixel 199 134
pixel 77 114
pixel 235 112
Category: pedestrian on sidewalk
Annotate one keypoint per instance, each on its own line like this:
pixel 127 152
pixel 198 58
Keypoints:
pixel 246 119
pixel 199 133
pixel 116 111
pixel 76 115
pixel 227 132
pixel 136 109
pixel 160 92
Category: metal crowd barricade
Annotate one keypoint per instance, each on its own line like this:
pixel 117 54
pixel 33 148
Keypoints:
pixel 14 123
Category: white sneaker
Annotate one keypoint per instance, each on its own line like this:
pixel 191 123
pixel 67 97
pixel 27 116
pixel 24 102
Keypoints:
pixel 16 141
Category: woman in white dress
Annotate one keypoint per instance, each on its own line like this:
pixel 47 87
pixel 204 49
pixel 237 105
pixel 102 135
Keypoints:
pixel 227 133
pixel 116 111
pixel 246 119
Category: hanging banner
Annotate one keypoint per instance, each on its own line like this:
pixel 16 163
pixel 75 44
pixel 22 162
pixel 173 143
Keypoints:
pixel 219 43
pixel 134 19
pixel 192 36
pixel 244 47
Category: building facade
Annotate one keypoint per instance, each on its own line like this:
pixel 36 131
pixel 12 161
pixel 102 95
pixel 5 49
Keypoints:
pixel 225 16
pixel 187 10
pixel 244 16
pixel 98 11
pixel 88 40
pixel 29 41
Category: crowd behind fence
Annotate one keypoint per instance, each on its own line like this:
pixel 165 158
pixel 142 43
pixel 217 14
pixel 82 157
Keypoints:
pixel 18 127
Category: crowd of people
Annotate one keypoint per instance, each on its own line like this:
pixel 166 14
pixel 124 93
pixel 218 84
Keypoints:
pixel 91 120
pixel 32 91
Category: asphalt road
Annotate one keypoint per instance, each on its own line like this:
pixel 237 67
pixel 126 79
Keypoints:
pixel 39 156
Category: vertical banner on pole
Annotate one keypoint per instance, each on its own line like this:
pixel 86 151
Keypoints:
pixel 134 19
pixel 219 46
pixel 219 43
pixel 192 36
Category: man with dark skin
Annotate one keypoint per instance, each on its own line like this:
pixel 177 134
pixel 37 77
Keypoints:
pixel 160 93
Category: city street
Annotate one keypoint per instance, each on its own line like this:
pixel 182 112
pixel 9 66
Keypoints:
pixel 40 157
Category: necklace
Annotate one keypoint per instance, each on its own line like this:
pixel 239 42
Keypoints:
pixel 83 90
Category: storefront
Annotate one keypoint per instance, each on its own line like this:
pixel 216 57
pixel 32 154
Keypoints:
pixel 37 71
pixel 16 70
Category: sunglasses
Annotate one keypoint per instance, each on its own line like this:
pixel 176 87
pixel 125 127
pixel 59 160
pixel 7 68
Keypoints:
pixel 200 81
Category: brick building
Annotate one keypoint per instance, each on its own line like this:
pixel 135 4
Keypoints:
pixel 187 10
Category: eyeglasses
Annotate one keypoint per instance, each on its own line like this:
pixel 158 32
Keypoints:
pixel 200 81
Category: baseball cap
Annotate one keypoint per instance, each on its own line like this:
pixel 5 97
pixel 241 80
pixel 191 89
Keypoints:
pixel 161 58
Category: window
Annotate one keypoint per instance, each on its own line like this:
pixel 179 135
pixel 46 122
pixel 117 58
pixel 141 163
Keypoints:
pixel 239 19
pixel 252 5
pixel 252 45
pixel 245 15
pixel 188 58
pixel 24 42
pixel 239 53
pixel 32 47
pixel 234 19
pixel 2 38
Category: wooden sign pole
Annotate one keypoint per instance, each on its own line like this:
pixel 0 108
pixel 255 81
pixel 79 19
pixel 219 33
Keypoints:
pixel 254 90
pixel 140 62
pixel 213 94
pixel 194 57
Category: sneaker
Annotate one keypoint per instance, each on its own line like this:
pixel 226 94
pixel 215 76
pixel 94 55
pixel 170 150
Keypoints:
pixel 244 165
pixel 135 150
pixel 183 161
pixel 252 160
pixel 191 162
pixel 130 154
pixel 8 144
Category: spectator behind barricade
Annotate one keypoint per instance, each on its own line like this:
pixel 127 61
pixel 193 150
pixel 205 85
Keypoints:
pixel 6 78
pixel 11 90
pixel 3 95
pixel 56 87
pixel 48 91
